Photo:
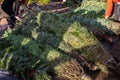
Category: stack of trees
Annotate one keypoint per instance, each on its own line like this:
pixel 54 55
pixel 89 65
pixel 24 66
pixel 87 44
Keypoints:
pixel 56 46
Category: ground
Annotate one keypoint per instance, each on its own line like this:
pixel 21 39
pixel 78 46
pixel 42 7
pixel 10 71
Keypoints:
pixel 58 7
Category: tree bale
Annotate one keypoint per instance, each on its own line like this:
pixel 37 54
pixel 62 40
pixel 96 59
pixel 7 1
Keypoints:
pixel 48 38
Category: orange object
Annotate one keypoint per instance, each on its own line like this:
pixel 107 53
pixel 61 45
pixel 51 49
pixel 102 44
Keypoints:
pixel 110 6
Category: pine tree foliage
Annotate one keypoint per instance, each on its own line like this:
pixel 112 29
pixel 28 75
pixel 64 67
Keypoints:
pixel 40 1
pixel 91 9
pixel 56 45
pixel 91 14
pixel 44 41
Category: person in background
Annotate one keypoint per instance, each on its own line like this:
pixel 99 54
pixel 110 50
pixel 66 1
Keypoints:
pixel 113 6
pixel 7 7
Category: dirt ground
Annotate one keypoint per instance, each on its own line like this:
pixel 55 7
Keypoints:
pixel 58 7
